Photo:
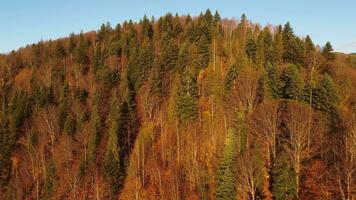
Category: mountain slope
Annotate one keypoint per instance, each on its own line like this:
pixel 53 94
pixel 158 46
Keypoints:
pixel 178 108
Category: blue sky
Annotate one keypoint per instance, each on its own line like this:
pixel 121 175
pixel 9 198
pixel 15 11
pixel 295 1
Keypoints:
pixel 27 21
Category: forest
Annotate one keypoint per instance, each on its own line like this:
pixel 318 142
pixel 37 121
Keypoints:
pixel 178 107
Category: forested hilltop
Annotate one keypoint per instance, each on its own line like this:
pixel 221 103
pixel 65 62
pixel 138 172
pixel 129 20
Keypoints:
pixel 176 108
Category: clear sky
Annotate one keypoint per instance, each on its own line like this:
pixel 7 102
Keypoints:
pixel 27 21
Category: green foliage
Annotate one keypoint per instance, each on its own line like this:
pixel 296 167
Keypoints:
pixel 251 49
pixel 169 53
pixel 292 50
pixel 231 75
pixel 81 56
pixel 42 96
pixel 326 96
pixel 291 83
pixel 112 156
pixel 123 122
pixel 283 179
pixel 272 80
pixel 226 180
pixel 95 131
pixel 63 107
pixel 204 51
pixel 50 181
pixel 187 99
pixel 327 52
pixel 7 143
pixel 70 125
pixel 240 129
pixel 81 94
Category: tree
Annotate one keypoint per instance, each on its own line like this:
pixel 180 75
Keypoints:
pixel 251 49
pixel 272 80
pixel 265 122
pixel 326 95
pixel 50 181
pixel 298 148
pixel 291 83
pixel 63 106
pixel 187 99
pixel 240 129
pixel 316 184
pixel 226 181
pixel 249 173
pixel 292 51
pixel 204 51
pixel 283 178
pixel 327 52
pixel 169 53
pixel 309 52
pixel 145 61
pixel 95 131
pixel 112 156
pixel 81 52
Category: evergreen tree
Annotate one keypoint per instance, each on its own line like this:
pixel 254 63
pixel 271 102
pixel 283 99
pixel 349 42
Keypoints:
pixel 70 125
pixel 204 53
pixel 123 131
pixel 291 83
pixel 95 131
pixel 283 179
pixel 326 95
pixel 251 49
pixel 63 107
pixel 240 129
pixel 169 53
pixel 50 181
pixel 278 47
pixel 272 80
pixel 309 51
pixel 226 180
pixel 187 98
pixel 327 52
pixel 112 156
pixel 145 61
pixel 7 143
pixel 231 75
pixel 290 46
pixel 81 52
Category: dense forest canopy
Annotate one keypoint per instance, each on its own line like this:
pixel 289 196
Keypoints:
pixel 178 107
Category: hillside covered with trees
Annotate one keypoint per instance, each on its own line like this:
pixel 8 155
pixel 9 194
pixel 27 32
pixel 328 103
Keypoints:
pixel 176 108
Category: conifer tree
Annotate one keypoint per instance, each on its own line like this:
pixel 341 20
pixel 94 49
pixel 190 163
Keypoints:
pixel 272 80
pixel 187 98
pixel 204 53
pixel 169 53
pixel 231 75
pixel 145 61
pixel 63 107
pixel 291 83
pixel 290 45
pixel 309 51
pixel 95 131
pixel 327 52
pixel 326 95
pixel 81 51
pixel 283 178
pixel 50 181
pixel 112 156
pixel 226 180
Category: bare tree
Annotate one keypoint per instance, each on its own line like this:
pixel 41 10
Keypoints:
pixel 346 168
pixel 244 89
pixel 297 141
pixel 264 124
pixel 249 173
